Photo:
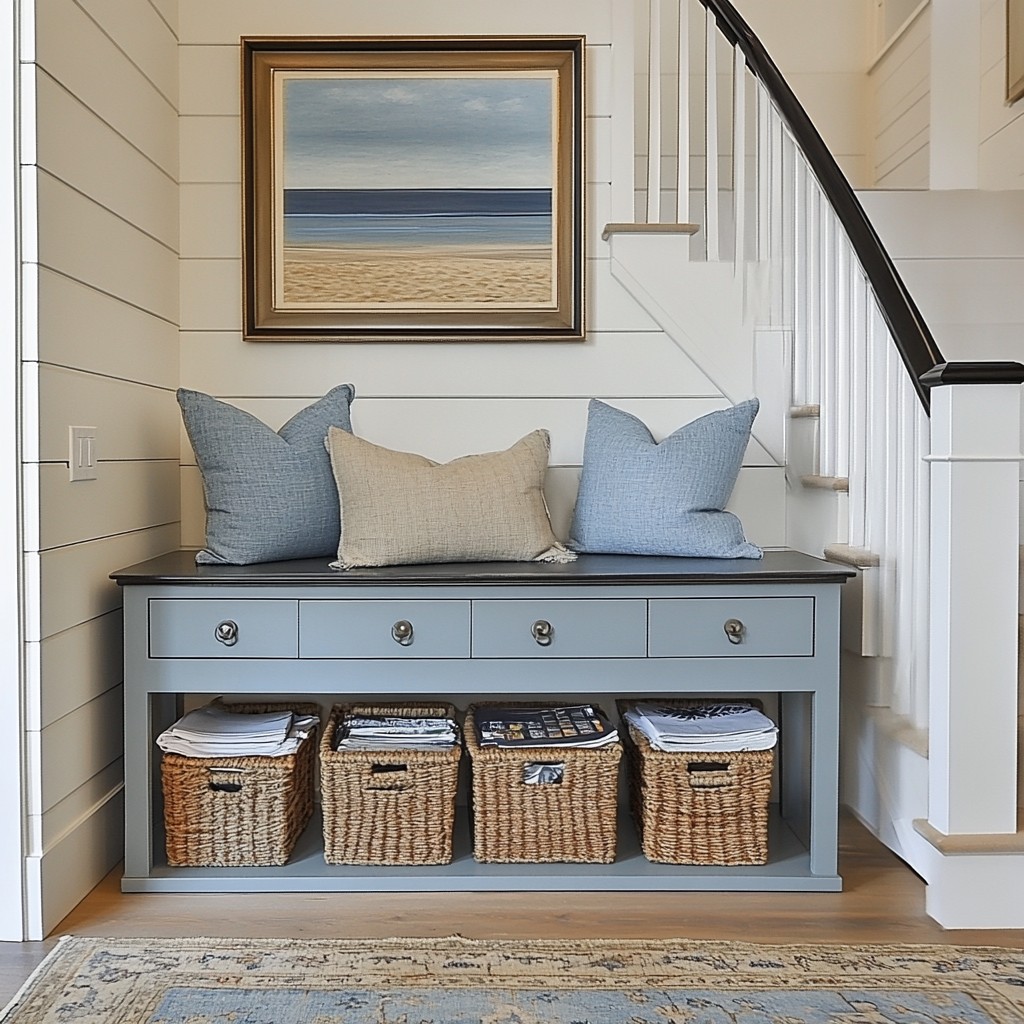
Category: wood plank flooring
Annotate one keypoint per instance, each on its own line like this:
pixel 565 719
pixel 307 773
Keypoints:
pixel 883 901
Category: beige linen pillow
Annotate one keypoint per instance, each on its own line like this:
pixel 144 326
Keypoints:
pixel 398 508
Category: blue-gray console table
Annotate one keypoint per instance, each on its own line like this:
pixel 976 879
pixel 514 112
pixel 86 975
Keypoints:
pixel 601 628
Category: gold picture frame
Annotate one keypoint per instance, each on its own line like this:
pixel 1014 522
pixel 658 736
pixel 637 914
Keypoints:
pixel 412 188
pixel 1014 50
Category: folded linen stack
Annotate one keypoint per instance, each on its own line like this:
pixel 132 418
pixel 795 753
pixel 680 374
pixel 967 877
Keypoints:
pixel 387 732
pixel 214 731
pixel 714 726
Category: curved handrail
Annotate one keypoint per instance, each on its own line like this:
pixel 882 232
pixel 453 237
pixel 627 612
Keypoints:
pixel 914 342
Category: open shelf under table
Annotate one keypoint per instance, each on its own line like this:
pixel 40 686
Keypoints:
pixel 788 870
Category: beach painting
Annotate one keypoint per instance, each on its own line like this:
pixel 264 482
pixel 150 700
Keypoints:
pixel 428 196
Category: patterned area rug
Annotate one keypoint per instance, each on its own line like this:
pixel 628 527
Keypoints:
pixel 460 981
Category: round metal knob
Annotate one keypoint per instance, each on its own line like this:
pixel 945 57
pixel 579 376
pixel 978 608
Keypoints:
pixel 401 632
pixel 226 633
pixel 543 632
pixel 734 630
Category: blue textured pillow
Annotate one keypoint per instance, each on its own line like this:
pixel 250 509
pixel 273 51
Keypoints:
pixel 270 495
pixel 639 496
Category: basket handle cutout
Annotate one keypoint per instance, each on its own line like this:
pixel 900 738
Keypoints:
pixel 225 787
pixel 710 775
pixel 543 773
pixel 388 778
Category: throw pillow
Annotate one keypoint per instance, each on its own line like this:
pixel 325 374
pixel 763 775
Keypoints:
pixel 639 496
pixel 399 508
pixel 269 494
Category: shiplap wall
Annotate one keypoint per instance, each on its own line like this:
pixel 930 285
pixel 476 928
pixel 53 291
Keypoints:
pixel 1001 156
pixel 820 49
pixel 440 400
pixel 899 88
pixel 100 146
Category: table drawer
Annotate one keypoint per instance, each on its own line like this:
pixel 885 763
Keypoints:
pixel 199 628
pixel 761 627
pixel 384 629
pixel 572 628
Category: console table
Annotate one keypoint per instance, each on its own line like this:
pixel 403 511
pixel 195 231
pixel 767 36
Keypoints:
pixel 600 628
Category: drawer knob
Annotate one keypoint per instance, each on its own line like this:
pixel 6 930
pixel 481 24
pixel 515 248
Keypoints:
pixel 734 630
pixel 543 632
pixel 401 632
pixel 226 633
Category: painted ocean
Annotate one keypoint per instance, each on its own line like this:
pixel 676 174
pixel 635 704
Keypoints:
pixel 330 218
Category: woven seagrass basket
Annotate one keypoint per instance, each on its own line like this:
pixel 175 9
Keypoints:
pixel 238 811
pixel 388 806
pixel 701 807
pixel 517 822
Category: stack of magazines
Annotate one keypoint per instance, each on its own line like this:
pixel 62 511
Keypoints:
pixel 390 732
pixel 213 731
pixel 714 725
pixel 581 725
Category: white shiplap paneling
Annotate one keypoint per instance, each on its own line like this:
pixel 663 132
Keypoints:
pixel 133 421
pixel 80 664
pixel 142 35
pixel 79 859
pixel 86 329
pixel 72 48
pixel 66 814
pixel 640 363
pixel 82 239
pixel 900 87
pixel 202 22
pixel 82 150
pixel 125 496
pixel 80 744
pixel 74 581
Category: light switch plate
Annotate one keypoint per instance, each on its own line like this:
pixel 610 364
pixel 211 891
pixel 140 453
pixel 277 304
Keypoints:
pixel 82 453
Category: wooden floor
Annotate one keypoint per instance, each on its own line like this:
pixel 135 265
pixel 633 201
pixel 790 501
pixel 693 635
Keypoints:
pixel 882 901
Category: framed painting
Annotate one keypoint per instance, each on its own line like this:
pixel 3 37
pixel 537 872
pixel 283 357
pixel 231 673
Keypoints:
pixel 1014 50
pixel 413 188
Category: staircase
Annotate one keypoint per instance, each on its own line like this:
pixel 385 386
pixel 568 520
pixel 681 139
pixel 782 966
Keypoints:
pixel 763 266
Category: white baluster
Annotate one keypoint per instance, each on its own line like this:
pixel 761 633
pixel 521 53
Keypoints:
pixel 711 137
pixel 683 120
pixel 654 114
pixel 843 370
pixel 739 160
pixel 825 336
pixel 624 203
pixel 859 387
pixel 765 194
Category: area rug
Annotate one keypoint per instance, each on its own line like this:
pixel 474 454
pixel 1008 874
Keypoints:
pixel 461 981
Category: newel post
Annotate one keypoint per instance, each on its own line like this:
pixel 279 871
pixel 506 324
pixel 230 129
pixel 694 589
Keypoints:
pixel 975 530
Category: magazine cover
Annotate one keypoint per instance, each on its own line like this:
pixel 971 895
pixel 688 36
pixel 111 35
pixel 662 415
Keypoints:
pixel 579 725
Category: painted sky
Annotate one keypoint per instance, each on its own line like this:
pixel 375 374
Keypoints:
pixel 418 132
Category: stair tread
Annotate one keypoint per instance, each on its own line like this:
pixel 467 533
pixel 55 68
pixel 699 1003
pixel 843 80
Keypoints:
pixel 826 483
pixel 846 554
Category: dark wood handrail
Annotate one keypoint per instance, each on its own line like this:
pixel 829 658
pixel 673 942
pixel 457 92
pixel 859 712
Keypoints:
pixel 913 340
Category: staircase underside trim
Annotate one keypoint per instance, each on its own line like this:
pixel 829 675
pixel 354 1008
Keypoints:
pixel 649 229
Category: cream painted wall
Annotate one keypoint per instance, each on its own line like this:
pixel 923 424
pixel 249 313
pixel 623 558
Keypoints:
pixel 441 400
pixel 100 326
pixel 1001 143
pixel 898 105
pixel 822 49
